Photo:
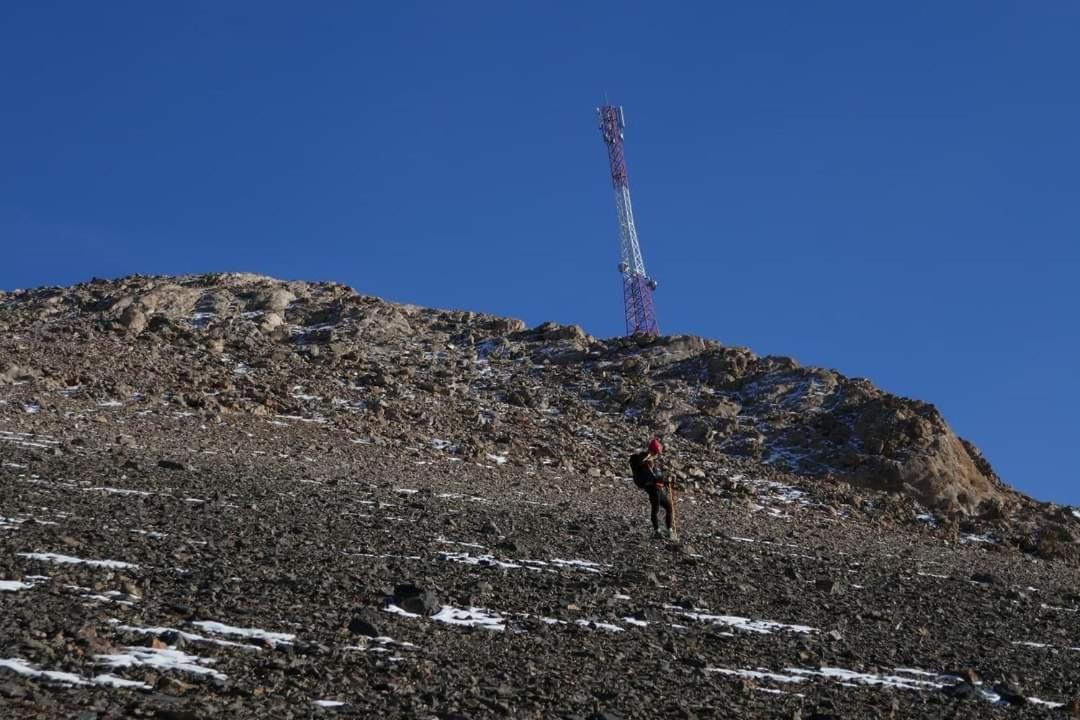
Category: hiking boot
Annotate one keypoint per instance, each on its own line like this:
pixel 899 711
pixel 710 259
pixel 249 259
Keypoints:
pixel 658 534
pixel 673 535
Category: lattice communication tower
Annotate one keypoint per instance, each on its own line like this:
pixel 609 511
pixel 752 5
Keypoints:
pixel 638 287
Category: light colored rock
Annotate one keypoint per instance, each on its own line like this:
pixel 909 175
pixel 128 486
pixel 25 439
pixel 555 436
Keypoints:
pixel 134 319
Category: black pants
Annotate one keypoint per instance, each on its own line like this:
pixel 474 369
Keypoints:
pixel 658 498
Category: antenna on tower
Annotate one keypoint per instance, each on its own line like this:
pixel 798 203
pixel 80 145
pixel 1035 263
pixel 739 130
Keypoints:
pixel 638 287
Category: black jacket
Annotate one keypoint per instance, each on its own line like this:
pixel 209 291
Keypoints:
pixel 646 474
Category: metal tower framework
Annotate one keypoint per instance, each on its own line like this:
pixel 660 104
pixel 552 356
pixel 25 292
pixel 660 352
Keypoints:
pixel 638 287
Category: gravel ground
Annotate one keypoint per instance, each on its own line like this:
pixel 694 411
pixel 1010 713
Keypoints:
pixel 156 565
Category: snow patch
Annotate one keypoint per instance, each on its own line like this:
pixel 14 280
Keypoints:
pixel 459 496
pixel 381 642
pixel 763 627
pixel 471 617
pixel 20 666
pixel 112 596
pixel 151 533
pixel 586 565
pixel 162 659
pixel 11 523
pixel 190 637
pixel 463 544
pixel 119 682
pixel 69 560
pixel 481 560
pixel 757 674
pixel 216 628
pixel 118 491
pixel 900 680
pixel 27 439
pixel 395 610
pixel 14 585
pixel 299 418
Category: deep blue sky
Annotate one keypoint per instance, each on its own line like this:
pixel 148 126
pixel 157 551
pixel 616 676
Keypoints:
pixel 890 191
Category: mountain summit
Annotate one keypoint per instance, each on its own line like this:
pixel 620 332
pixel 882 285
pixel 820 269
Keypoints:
pixel 183 338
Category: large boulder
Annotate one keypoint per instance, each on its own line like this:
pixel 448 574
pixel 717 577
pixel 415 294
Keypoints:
pixel 941 474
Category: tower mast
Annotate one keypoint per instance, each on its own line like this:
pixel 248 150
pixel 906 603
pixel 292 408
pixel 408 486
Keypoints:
pixel 638 287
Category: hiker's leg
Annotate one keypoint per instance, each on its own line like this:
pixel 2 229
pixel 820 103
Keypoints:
pixel 665 502
pixel 654 502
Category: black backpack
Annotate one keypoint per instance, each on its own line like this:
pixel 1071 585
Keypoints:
pixel 642 476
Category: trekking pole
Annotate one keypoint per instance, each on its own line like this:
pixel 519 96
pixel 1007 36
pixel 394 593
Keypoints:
pixel 674 517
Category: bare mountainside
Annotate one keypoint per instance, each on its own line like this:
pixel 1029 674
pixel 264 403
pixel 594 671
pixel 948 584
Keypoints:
pixel 232 496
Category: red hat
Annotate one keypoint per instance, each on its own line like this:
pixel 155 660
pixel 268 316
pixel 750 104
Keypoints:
pixel 655 447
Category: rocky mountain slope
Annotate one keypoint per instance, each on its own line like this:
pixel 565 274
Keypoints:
pixel 227 495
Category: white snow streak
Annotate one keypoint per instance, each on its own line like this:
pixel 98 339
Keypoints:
pixel 895 681
pixel 764 627
pixel 67 559
pixel 190 637
pixel 21 667
pixel 14 585
pixel 482 560
pixel 27 439
pixel 600 625
pixel 119 682
pixel 757 674
pixel 216 628
pixel 162 659
pixel 472 617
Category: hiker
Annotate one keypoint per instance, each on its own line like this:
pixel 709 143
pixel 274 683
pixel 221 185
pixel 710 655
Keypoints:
pixel 648 477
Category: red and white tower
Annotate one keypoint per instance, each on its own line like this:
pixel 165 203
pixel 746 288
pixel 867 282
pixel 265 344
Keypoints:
pixel 637 286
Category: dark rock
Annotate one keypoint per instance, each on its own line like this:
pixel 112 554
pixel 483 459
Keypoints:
pixel 364 622
pixel 832 587
pixel 1011 693
pixel 415 600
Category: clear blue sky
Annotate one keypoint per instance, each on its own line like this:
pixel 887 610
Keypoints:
pixel 890 190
